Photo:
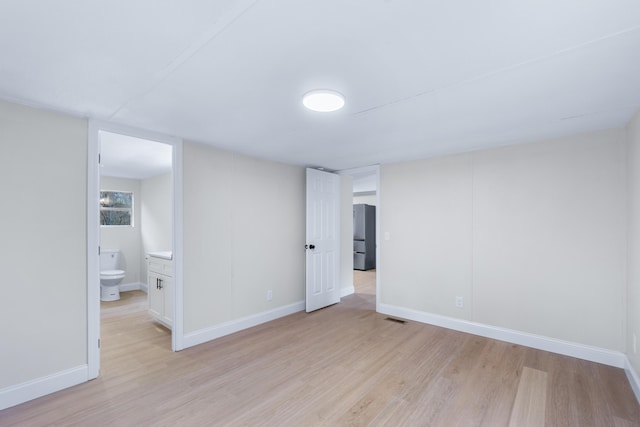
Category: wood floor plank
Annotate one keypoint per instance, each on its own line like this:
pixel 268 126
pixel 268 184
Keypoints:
pixel 375 400
pixel 621 399
pixel 529 406
pixel 343 365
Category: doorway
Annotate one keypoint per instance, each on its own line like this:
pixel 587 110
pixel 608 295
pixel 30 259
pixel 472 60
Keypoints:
pixel 127 163
pixel 135 221
pixel 366 183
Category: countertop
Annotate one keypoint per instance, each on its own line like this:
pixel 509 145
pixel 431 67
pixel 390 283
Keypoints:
pixel 162 254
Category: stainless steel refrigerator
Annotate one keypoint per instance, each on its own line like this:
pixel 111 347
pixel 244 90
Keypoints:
pixel 364 237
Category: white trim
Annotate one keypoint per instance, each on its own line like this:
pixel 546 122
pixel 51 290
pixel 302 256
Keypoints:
pixel 93 258
pixel 135 132
pixel 347 291
pixel 567 348
pixel 20 393
pixel 633 378
pixel 358 171
pixel 177 330
pixel 378 236
pixel 226 328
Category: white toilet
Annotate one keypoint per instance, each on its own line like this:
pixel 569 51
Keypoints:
pixel 110 275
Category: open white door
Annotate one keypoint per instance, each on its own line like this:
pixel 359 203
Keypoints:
pixel 323 239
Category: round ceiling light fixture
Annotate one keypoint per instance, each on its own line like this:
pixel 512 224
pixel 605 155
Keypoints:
pixel 323 100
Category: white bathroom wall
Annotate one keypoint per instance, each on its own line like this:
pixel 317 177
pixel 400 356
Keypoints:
pixel 532 236
pixel 346 234
pixel 244 222
pixel 156 208
pixel 125 238
pixel 43 308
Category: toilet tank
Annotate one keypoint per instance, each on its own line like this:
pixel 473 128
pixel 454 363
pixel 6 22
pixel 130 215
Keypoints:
pixel 109 259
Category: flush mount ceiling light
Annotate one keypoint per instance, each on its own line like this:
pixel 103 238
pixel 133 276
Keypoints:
pixel 323 100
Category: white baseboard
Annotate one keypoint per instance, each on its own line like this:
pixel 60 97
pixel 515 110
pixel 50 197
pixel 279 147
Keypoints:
pixel 633 378
pixel 347 291
pixel 139 286
pixel 226 328
pixel 567 348
pixel 20 393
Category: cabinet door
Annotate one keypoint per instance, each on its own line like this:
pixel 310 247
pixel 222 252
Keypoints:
pixel 156 300
pixel 167 290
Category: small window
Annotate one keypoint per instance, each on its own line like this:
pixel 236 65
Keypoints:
pixel 116 208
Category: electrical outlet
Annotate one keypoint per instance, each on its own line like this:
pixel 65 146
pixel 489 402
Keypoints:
pixel 459 302
pixel 387 235
pixel 269 295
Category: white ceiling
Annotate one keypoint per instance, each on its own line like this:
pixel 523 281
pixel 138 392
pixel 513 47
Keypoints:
pixel 420 78
pixel 129 157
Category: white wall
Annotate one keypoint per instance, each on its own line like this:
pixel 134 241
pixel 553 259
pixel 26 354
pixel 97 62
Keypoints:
pixel 244 222
pixel 127 239
pixel 426 208
pixel 156 209
pixel 346 234
pixel 532 236
pixel 43 320
pixel 633 256
pixel 368 199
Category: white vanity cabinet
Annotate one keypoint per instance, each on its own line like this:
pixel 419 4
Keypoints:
pixel 160 284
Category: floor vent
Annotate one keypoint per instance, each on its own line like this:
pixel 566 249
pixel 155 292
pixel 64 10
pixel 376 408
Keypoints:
pixel 391 319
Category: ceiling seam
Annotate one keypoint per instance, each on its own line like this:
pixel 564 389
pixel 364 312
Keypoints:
pixel 218 28
pixel 500 70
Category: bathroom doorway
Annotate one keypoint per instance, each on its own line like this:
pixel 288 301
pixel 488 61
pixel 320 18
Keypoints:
pixel 134 220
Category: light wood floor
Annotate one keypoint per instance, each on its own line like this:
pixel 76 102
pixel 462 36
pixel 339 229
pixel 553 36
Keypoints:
pixel 364 282
pixel 344 365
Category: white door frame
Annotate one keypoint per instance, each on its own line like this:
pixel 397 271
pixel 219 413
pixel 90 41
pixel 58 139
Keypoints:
pixel 374 169
pixel 93 237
